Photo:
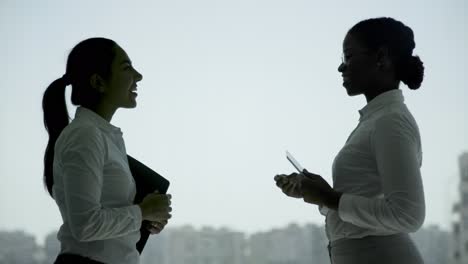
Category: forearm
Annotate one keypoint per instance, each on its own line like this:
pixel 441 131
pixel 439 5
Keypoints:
pixel 105 223
pixel 395 213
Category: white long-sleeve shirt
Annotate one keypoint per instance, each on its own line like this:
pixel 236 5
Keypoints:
pixel 94 190
pixel 378 172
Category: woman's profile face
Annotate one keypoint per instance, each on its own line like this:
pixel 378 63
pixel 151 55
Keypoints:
pixel 358 67
pixel 121 87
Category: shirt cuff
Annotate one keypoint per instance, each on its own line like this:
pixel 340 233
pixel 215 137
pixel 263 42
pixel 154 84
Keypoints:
pixel 136 212
pixel 345 207
pixel 323 210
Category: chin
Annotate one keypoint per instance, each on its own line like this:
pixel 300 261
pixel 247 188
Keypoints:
pixel 351 91
pixel 130 105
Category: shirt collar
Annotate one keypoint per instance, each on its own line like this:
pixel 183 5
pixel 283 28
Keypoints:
pixel 383 99
pixel 97 120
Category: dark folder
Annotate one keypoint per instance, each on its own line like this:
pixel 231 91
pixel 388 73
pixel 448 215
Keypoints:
pixel 147 181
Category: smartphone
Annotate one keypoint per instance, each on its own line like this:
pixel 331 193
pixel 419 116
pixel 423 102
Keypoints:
pixel 294 162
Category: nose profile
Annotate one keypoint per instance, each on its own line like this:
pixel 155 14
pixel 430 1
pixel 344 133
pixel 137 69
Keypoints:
pixel 139 77
pixel 341 67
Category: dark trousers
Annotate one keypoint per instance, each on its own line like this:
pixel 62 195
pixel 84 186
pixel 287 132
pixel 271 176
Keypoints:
pixel 67 258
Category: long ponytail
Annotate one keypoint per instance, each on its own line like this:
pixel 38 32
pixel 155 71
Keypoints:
pixel 90 56
pixel 56 118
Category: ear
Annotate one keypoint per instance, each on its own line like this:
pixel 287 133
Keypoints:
pixel 384 61
pixel 97 83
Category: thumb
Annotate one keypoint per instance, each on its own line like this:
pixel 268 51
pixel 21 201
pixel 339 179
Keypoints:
pixel 308 174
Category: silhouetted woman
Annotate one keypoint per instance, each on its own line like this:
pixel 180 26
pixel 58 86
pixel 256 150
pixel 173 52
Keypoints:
pixel 377 196
pixel 86 167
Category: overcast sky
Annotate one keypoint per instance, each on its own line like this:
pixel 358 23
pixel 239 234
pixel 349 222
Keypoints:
pixel 228 86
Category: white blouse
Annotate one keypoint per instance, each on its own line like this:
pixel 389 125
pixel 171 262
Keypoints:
pixel 94 190
pixel 378 172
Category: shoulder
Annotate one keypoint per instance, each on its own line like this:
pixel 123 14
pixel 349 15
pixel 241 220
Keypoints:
pixel 78 136
pixel 396 118
pixel 396 123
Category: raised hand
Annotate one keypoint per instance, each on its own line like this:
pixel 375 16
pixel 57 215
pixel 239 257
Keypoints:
pixel 316 190
pixel 156 207
pixel 290 184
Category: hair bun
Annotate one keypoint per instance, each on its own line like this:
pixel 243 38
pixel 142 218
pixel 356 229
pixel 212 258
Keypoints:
pixel 66 79
pixel 412 72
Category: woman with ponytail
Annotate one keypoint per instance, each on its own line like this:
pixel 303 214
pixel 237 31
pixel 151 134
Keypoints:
pixel 85 163
pixel 377 196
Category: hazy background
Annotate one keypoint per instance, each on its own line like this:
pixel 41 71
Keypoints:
pixel 228 86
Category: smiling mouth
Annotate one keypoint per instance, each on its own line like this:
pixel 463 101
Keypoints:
pixel 133 90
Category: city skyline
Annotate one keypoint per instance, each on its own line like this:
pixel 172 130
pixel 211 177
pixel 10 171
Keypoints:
pixel 40 240
pixel 293 243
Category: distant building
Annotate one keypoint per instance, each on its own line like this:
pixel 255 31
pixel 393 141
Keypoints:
pixel 51 247
pixel 290 245
pixel 188 245
pixel 19 247
pixel 434 244
pixel 460 225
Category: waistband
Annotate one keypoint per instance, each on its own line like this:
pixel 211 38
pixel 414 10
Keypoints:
pixel 68 258
pixel 384 240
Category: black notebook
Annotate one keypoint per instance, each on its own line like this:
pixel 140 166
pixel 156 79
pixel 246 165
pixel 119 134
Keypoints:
pixel 147 181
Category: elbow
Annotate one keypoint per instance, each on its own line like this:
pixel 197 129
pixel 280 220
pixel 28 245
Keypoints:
pixel 413 225
pixel 412 221
pixel 85 228
pixel 82 234
pixel 407 213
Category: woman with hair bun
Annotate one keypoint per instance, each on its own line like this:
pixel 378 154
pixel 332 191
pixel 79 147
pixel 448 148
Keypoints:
pixel 377 196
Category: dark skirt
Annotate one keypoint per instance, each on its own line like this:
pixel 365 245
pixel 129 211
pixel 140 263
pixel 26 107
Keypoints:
pixel 67 258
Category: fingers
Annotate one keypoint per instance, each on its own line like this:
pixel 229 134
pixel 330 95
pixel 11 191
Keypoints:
pixel 292 176
pixel 157 224
pixel 161 222
pixel 165 199
pixel 153 230
pixel 285 184
pixel 162 210
pixel 155 227
pixel 313 179
pixel 282 179
pixel 288 189
pixel 161 216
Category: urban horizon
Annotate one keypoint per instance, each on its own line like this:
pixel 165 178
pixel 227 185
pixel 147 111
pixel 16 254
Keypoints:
pixel 293 243
pixel 40 240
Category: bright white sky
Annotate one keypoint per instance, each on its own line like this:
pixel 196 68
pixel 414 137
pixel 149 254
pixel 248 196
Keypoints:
pixel 228 86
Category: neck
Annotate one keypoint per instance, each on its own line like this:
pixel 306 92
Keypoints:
pixel 372 93
pixel 105 111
